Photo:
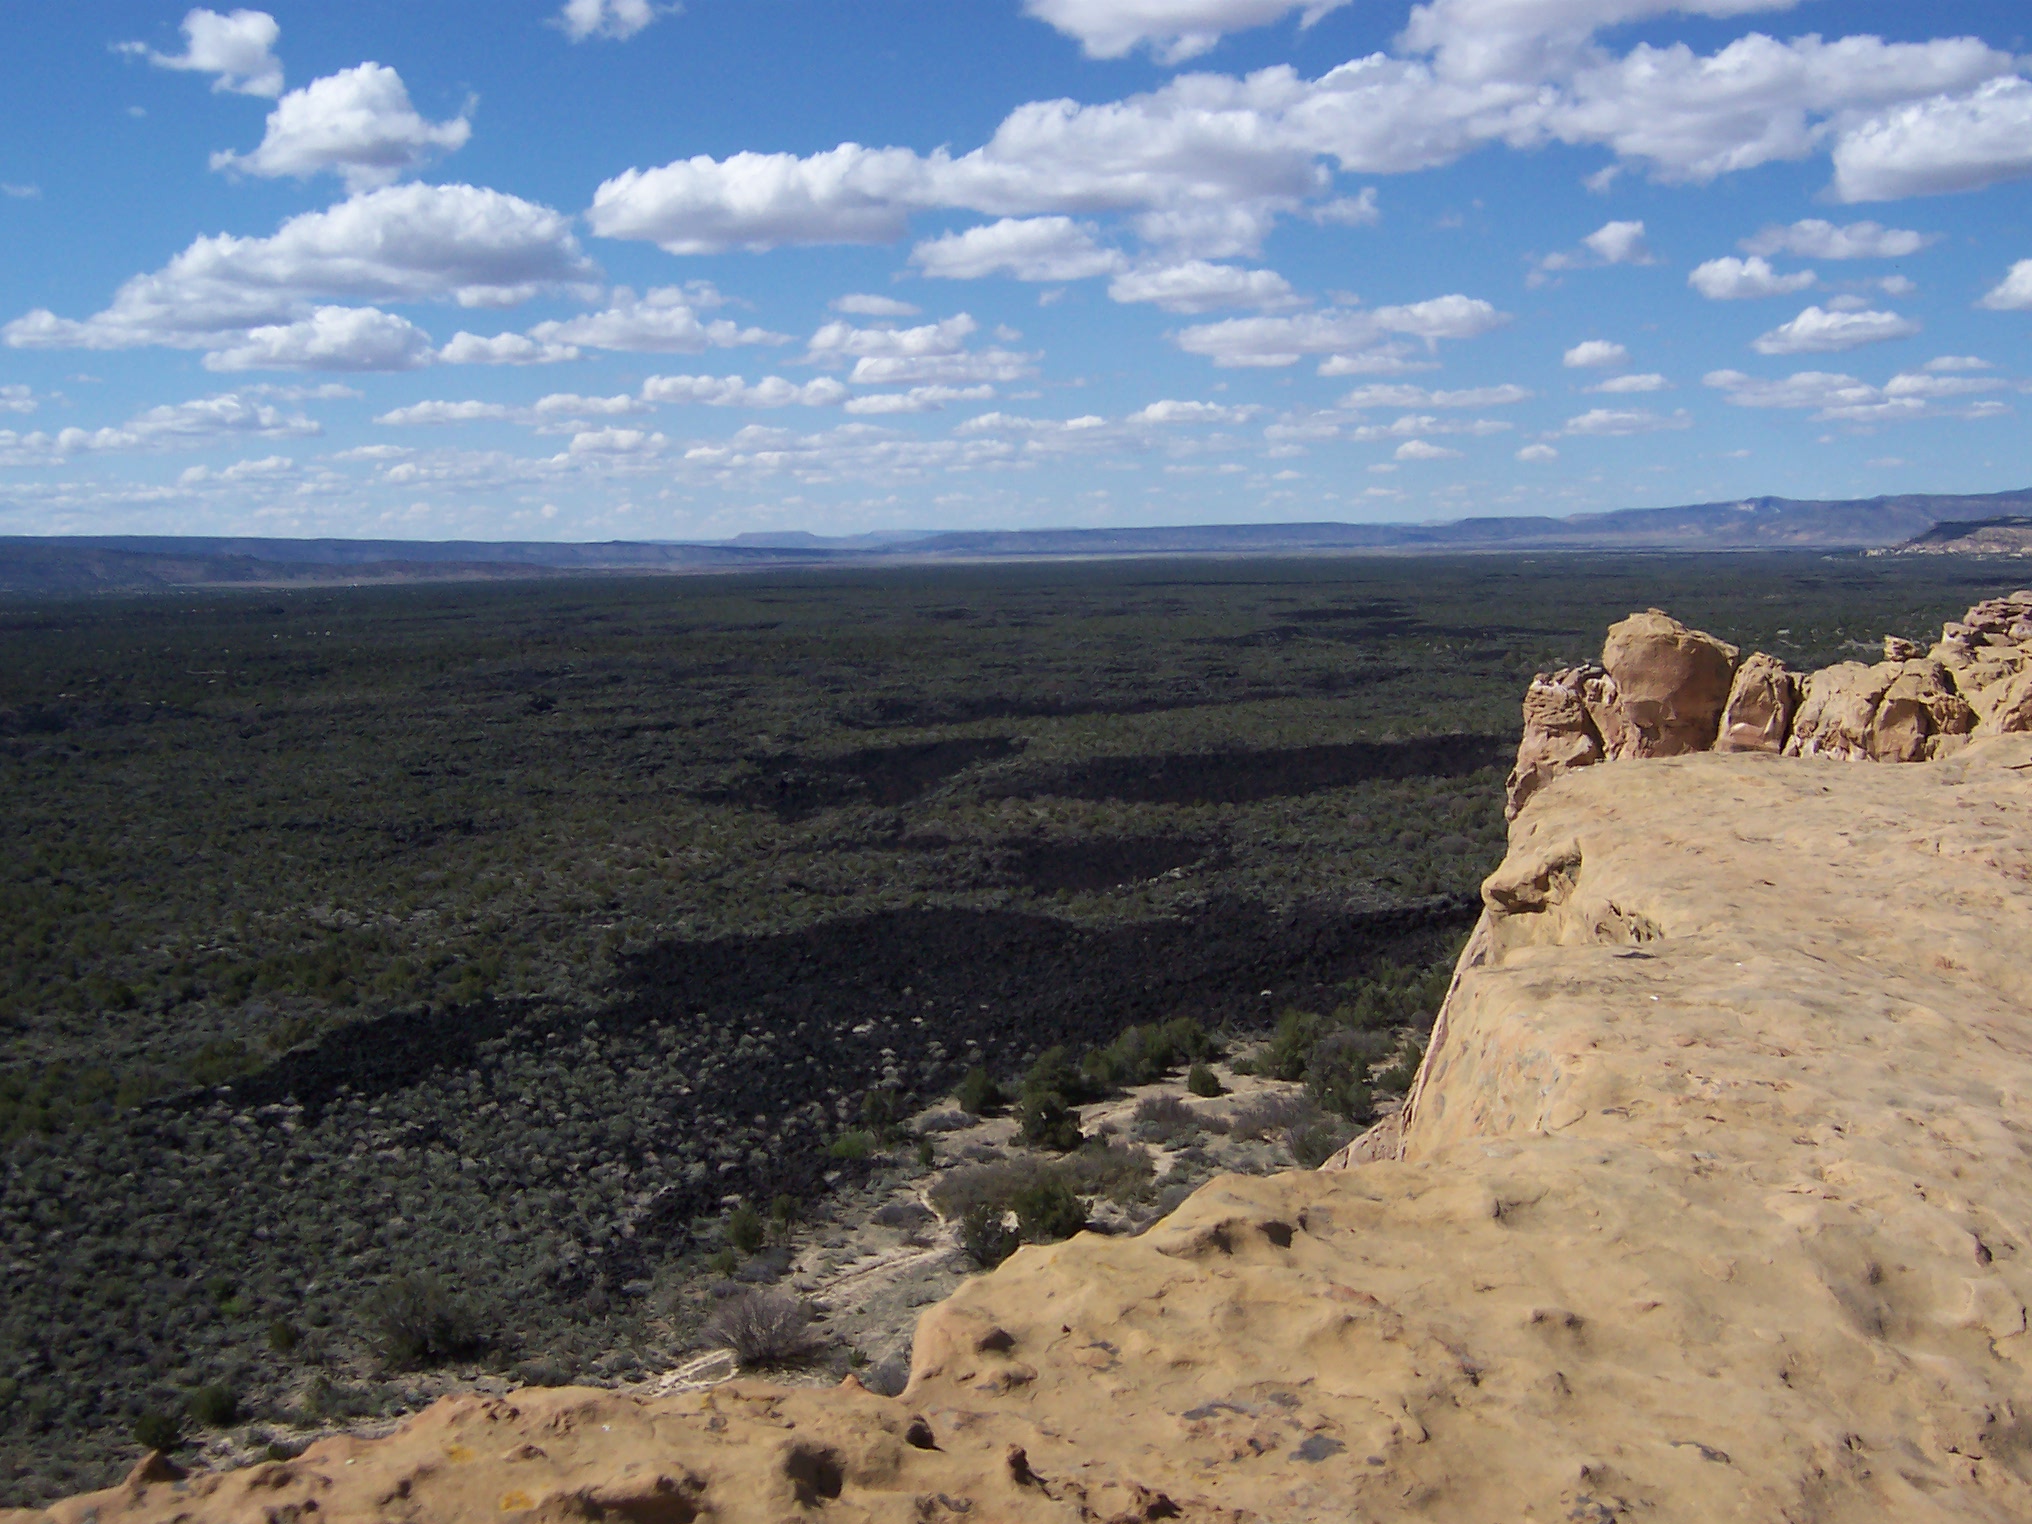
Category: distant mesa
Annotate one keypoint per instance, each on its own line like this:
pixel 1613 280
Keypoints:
pixel 72 564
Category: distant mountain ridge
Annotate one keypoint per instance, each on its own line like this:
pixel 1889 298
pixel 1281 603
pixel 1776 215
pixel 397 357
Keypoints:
pixel 114 563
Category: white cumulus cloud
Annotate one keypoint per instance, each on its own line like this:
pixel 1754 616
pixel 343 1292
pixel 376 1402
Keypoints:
pixel 502 349
pixel 1173 30
pixel 1198 285
pixel 1944 143
pixel 1419 449
pixel 2014 292
pixel 1837 398
pixel 1174 411
pixel 1616 423
pixel 919 399
pixel 1275 341
pixel 862 304
pixel 664 320
pixel 237 50
pixel 1206 163
pixel 1617 386
pixel 331 338
pixel 1533 453
pixel 1028 248
pixel 404 243
pixel 1417 396
pixel 615 19
pixel 1595 353
pixel 358 123
pixel 732 391
pixel 1819 331
pixel 1816 238
pixel 1729 279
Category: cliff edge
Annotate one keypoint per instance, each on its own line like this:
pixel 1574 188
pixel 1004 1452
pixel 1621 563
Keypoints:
pixel 1713 1202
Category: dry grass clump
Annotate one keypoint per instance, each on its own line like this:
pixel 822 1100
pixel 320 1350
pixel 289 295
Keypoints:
pixel 763 1328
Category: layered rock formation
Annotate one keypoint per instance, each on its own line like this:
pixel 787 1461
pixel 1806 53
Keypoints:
pixel 1663 690
pixel 1712 1201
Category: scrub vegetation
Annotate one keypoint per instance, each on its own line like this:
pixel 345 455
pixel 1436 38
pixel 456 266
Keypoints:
pixel 460 978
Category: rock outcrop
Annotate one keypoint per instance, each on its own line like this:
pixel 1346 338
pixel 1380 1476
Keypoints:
pixel 1656 690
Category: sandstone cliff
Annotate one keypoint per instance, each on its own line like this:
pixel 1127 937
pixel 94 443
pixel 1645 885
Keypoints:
pixel 1713 1202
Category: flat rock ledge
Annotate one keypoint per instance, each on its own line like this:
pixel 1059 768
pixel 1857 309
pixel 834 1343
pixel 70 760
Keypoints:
pixel 1711 1202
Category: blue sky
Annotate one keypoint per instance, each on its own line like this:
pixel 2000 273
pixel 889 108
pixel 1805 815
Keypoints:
pixel 629 269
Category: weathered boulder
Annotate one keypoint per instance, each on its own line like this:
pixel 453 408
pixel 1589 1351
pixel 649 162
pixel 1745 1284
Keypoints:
pixel 2007 618
pixel 1920 716
pixel 1836 705
pixel 2004 705
pixel 1758 715
pixel 1670 685
pixel 1559 733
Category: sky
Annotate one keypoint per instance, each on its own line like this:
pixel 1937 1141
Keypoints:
pixel 630 269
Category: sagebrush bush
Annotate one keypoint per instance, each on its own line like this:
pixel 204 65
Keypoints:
pixel 1202 1081
pixel 1273 1115
pixel 416 1321
pixel 1162 1118
pixel 762 1328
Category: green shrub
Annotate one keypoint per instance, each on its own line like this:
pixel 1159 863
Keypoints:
pixel 1048 1211
pixel 1054 1073
pixel 978 1095
pixel 1047 1122
pixel 986 1236
pixel 1201 1081
pixel 881 1111
pixel 1312 1146
pixel 283 1336
pixel 744 1229
pixel 157 1431
pixel 213 1406
pixel 1143 1055
pixel 723 1262
pixel 1337 1073
pixel 416 1321
pixel 852 1145
pixel 927 1155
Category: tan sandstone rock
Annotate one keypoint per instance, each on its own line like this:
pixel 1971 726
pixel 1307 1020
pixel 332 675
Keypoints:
pixel 1758 714
pixel 1836 705
pixel 1670 685
pixel 1558 735
pixel 1920 716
